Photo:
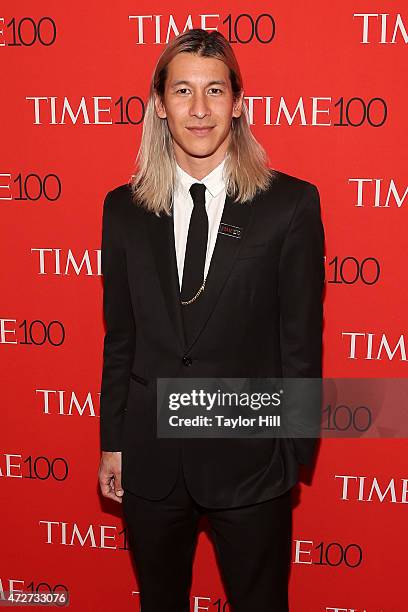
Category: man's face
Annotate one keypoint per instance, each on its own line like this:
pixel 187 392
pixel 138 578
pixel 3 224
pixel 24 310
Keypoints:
pixel 198 104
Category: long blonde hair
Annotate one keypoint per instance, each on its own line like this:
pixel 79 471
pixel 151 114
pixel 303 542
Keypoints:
pixel 246 168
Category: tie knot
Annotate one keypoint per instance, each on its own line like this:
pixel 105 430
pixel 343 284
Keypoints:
pixel 197 191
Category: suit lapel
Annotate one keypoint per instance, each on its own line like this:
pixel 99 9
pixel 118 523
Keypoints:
pixel 161 234
pixel 161 231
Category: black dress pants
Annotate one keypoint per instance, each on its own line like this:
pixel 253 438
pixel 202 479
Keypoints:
pixel 252 544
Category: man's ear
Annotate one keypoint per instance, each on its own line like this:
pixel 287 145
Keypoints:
pixel 159 106
pixel 237 110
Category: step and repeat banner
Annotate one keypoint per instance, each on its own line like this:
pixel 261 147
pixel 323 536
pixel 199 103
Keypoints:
pixel 325 86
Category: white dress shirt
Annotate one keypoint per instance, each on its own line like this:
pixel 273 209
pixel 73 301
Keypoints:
pixel 183 207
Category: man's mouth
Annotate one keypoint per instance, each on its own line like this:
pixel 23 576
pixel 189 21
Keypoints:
pixel 200 131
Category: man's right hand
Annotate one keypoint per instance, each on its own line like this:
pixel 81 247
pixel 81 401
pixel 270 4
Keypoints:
pixel 110 472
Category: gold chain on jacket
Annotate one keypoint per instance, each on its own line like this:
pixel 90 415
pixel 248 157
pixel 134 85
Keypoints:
pixel 199 292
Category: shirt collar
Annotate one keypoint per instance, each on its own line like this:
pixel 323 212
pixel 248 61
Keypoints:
pixel 214 181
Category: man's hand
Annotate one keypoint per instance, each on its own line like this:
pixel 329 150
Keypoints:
pixel 110 471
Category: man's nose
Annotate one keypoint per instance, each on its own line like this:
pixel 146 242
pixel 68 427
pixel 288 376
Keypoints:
pixel 199 106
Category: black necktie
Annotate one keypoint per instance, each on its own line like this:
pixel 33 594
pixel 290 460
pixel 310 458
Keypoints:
pixel 196 248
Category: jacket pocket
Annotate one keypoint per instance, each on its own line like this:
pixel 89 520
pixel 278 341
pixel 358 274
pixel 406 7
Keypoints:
pixel 253 250
pixel 139 379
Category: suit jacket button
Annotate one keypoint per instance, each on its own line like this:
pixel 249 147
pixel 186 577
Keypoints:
pixel 187 361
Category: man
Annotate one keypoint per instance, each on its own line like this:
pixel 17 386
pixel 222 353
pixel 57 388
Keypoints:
pixel 213 267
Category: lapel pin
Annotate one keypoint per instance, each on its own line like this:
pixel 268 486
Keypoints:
pixel 230 230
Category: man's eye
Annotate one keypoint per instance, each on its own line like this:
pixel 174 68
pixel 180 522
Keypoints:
pixel 184 90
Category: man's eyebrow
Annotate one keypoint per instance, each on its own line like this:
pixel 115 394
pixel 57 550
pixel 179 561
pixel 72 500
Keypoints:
pixel 184 82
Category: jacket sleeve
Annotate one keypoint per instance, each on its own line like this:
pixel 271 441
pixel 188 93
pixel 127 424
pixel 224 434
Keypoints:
pixel 120 335
pixel 301 283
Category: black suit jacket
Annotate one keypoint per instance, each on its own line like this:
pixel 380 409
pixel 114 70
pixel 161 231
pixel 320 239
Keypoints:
pixel 259 316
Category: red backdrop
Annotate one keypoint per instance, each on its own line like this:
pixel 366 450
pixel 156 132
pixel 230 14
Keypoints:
pixel 326 87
